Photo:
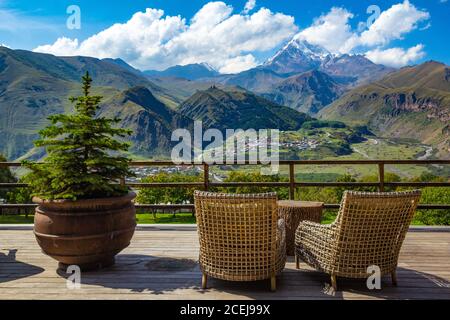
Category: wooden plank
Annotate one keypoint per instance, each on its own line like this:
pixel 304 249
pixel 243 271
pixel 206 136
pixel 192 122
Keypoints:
pixel 423 273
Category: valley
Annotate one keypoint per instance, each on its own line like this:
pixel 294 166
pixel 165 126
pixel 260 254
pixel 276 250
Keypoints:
pixel 324 145
pixel 326 106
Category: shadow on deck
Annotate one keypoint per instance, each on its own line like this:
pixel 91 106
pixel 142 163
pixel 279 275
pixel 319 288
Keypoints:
pixel 161 263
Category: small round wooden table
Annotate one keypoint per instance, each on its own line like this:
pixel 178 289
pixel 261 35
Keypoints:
pixel 293 212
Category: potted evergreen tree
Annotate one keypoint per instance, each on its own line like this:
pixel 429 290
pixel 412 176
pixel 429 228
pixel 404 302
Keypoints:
pixel 84 216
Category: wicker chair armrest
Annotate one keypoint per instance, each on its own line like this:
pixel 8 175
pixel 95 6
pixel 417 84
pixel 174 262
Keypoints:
pixel 281 234
pixel 281 246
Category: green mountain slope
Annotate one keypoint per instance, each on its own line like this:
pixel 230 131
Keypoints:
pixel 152 122
pixel 307 92
pixel 34 86
pixel 182 89
pixel 354 66
pixel 413 102
pixel 257 79
pixel 240 110
pixel 105 73
pixel 190 71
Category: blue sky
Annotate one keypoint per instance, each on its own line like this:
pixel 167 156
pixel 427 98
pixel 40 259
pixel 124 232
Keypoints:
pixel 225 35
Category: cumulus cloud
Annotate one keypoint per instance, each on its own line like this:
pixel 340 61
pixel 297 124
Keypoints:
pixel 235 65
pixel 230 41
pixel 151 40
pixel 62 47
pixel 334 32
pixel 393 24
pixel 331 31
pixel 249 6
pixel 396 57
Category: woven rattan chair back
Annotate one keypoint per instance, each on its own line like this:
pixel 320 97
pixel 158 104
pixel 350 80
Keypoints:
pixel 370 230
pixel 238 235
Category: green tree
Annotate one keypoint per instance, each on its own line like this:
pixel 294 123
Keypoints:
pixel 6 176
pixel 238 176
pixel 339 191
pixel 19 195
pixel 388 177
pixel 434 195
pixel 83 159
pixel 176 195
pixel 428 177
pixel 322 194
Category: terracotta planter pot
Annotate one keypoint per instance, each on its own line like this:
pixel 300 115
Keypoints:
pixel 87 233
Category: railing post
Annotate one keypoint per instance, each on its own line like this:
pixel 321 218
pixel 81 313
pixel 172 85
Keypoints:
pixel 122 182
pixel 291 181
pixel 206 176
pixel 381 176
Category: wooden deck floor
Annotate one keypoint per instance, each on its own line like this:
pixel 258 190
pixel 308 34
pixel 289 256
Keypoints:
pixel 161 264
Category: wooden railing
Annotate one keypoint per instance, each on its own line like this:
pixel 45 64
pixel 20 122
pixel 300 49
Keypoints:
pixel 292 184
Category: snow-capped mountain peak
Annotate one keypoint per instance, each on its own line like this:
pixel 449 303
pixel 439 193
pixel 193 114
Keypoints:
pixel 208 66
pixel 311 50
pixel 298 55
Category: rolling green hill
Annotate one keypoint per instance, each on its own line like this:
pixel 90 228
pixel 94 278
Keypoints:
pixel 105 72
pixel 413 102
pixel 182 89
pixel 240 109
pixel 152 122
pixel 34 86
pixel 307 92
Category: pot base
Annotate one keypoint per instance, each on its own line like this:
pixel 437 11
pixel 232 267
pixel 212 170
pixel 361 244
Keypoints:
pixel 107 262
pixel 85 233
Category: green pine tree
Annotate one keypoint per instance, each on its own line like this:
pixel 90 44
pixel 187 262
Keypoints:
pixel 83 161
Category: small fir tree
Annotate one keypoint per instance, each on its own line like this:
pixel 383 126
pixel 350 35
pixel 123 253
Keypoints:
pixel 83 161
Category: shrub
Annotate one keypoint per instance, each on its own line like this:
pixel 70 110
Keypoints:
pixel 6 176
pixel 168 195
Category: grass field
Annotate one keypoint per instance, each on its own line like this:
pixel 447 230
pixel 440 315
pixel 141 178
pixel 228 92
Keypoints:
pixel 16 219
pixel 161 218
pixel 165 218
pixel 373 148
pixel 145 218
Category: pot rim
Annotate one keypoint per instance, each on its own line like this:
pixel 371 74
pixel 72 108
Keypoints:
pixel 94 201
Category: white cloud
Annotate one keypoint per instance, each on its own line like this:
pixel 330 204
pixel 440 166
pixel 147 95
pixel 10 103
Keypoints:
pixel 333 30
pixel 426 27
pixel 249 6
pixel 235 65
pixel 62 47
pixel 150 40
pixel 393 24
pixel 229 41
pixel 396 57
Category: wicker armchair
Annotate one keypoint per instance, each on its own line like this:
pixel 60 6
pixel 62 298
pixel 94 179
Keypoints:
pixel 369 230
pixel 241 238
